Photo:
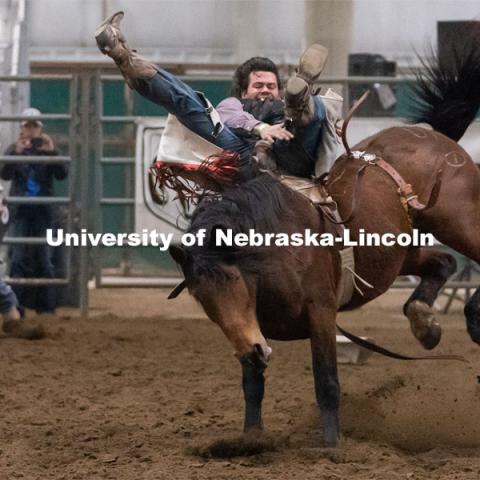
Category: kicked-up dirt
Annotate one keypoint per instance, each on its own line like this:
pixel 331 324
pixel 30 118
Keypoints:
pixel 149 389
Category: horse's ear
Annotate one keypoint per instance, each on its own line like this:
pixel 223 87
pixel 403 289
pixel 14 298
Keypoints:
pixel 178 254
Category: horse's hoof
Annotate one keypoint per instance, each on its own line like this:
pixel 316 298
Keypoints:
pixel 331 432
pixel 472 315
pixel 331 442
pixel 474 333
pixel 431 340
pixel 423 324
pixel 253 430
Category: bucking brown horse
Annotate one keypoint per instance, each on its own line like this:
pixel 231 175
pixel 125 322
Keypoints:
pixel 289 293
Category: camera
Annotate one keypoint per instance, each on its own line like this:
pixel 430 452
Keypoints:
pixel 37 142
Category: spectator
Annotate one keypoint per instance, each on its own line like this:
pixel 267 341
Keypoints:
pixel 13 325
pixel 32 220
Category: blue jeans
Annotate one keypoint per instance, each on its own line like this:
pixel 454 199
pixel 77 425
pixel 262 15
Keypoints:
pixel 8 299
pixel 30 261
pixel 182 101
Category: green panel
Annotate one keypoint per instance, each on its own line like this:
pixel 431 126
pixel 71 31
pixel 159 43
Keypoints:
pixel 118 180
pixel 119 141
pixel 405 100
pixel 50 96
pixel 113 98
pixel 53 96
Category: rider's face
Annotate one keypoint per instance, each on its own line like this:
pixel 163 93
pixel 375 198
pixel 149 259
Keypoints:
pixel 262 86
pixel 30 130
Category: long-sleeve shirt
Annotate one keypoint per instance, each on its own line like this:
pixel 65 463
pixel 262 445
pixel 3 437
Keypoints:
pixel 32 179
pixel 233 115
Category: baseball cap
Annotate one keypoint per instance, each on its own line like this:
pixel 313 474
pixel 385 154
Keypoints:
pixel 31 112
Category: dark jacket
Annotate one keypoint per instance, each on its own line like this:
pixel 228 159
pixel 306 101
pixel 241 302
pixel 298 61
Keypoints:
pixel 42 174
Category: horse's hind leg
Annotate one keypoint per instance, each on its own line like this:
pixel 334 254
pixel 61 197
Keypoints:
pixel 324 363
pixel 434 268
pixel 469 246
pixel 472 314
pixel 462 235
pixel 253 384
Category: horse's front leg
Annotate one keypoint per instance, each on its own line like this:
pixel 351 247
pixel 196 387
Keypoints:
pixel 231 304
pixel 253 383
pixel 324 363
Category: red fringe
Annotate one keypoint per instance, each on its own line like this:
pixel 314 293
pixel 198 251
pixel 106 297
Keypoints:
pixel 192 181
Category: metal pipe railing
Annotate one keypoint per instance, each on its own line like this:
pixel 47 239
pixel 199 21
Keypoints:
pixel 345 82
pixel 44 159
pixel 329 80
pixel 37 281
pixel 44 116
pixel 39 200
pixel 16 37
pixel 35 76
pixel 35 159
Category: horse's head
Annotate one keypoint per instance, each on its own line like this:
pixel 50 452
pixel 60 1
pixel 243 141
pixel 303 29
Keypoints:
pixel 224 278
pixel 229 299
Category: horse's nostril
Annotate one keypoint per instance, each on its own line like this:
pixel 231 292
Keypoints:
pixel 257 357
pixel 258 348
pixel 263 351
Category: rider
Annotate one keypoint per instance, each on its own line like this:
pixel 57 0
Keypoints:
pixel 255 110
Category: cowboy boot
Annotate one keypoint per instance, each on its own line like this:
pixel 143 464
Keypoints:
pixel 299 104
pixel 13 326
pixel 112 42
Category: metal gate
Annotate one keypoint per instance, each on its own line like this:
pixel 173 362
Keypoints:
pixel 462 281
pixel 94 191
pixel 76 199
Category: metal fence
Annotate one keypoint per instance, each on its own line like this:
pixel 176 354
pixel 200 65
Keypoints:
pixel 102 161
pixel 87 163
pixel 463 280
pixel 77 189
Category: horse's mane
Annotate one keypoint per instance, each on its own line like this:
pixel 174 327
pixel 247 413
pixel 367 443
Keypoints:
pixel 447 95
pixel 262 204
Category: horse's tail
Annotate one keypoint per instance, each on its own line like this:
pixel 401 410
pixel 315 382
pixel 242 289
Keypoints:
pixel 447 95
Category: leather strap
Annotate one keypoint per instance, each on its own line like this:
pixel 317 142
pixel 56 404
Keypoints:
pixel 405 189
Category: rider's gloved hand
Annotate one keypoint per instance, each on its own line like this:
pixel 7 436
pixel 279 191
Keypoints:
pixel 272 132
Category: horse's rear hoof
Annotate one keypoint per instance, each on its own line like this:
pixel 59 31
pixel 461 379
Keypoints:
pixel 433 338
pixel 474 334
pixel 472 314
pixel 423 324
pixel 331 442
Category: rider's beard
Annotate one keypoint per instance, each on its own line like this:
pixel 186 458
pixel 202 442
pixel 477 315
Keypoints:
pixel 264 96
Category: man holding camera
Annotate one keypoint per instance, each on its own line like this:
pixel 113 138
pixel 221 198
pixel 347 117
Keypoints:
pixel 32 220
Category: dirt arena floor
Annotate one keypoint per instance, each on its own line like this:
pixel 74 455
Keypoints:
pixel 149 389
